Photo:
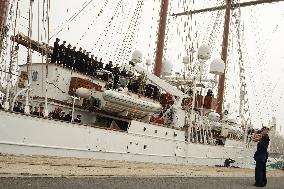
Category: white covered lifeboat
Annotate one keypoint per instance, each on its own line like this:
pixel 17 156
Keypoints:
pixel 124 104
pixel 119 102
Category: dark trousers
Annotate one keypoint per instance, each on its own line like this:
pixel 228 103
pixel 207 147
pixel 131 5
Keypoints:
pixel 260 174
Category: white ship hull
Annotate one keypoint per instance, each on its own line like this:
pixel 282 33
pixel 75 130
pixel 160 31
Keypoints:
pixel 21 134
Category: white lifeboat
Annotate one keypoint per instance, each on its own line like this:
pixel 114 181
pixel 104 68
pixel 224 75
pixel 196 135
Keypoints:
pixel 137 107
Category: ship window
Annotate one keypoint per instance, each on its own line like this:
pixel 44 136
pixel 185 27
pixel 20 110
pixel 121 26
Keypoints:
pixel 144 129
pixel 175 134
pixel 145 146
pixel 166 133
pixel 156 131
pixel 35 76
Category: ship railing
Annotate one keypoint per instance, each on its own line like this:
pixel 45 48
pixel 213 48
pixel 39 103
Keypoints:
pixel 63 121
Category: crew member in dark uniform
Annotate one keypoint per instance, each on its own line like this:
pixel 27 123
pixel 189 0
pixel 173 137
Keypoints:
pixel 124 73
pixel 73 58
pixel 54 57
pixel 68 57
pixel 62 49
pixel 78 60
pixel 101 64
pixel 68 117
pixel 83 62
pixel 93 66
pixel 116 76
pixel 261 156
pixel 108 66
pixel 89 64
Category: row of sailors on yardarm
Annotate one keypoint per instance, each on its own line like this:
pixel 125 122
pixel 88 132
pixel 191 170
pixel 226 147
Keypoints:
pixel 76 60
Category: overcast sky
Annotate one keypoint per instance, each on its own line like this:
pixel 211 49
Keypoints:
pixel 101 27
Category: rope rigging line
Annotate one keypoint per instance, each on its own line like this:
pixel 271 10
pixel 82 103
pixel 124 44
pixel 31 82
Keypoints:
pixel 129 46
pixel 167 30
pixel 269 87
pixel 123 33
pixel 115 32
pixel 256 103
pixel 101 40
pixel 214 28
pixel 13 52
pixel 13 49
pixel 244 105
pixel 94 21
pixel 129 35
pixel 71 19
pixel 4 50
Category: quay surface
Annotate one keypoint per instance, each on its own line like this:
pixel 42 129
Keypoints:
pixel 54 172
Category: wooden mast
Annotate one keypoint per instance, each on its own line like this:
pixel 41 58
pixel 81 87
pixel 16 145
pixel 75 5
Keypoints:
pixel 161 37
pixel 4 8
pixel 221 84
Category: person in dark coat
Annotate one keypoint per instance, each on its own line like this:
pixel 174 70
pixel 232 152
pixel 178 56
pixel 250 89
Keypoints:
pixel 261 156
pixel 83 62
pixel 88 64
pixel 108 66
pixel 78 60
pixel 101 64
pixel 73 58
pixel 116 76
pixel 35 112
pixel 54 57
pixel 93 66
pixel 68 57
pixel 68 117
pixel 62 49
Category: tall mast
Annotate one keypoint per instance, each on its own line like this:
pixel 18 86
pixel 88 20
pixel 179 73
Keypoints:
pixel 221 84
pixel 4 6
pixel 161 37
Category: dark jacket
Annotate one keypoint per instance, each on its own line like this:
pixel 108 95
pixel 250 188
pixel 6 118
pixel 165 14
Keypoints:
pixel 261 153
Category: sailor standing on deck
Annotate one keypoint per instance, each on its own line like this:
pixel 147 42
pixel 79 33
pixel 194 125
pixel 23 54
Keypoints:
pixel 54 57
pixel 88 64
pixel 108 66
pixel 62 49
pixel 92 66
pixel 78 60
pixel 83 62
pixel 100 64
pixel 68 57
pixel 73 58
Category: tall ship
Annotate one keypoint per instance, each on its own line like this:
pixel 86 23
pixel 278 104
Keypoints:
pixel 74 105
